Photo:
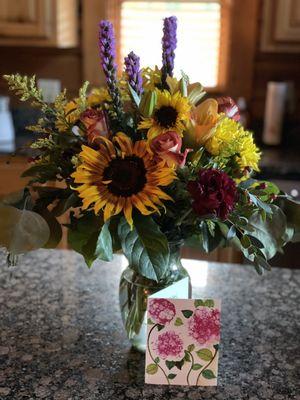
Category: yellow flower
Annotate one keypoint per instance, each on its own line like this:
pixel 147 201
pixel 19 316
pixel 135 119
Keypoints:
pixel 70 115
pixel 204 118
pixel 151 78
pixel 170 114
pixel 230 139
pixel 121 175
pixel 98 96
pixel 249 155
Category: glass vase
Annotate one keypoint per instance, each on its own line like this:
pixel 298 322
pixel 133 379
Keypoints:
pixel 134 291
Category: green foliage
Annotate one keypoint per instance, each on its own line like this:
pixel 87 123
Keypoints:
pixel 204 354
pixel 187 313
pixel 145 247
pixel 89 237
pixel 208 374
pixel 22 230
pixel 152 369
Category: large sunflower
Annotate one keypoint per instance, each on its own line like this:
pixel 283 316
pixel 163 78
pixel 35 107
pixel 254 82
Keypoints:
pixel 121 175
pixel 170 113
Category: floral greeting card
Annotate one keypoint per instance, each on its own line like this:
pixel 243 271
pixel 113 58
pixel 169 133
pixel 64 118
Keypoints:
pixel 183 341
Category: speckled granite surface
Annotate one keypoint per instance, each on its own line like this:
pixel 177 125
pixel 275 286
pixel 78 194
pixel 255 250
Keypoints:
pixel 61 335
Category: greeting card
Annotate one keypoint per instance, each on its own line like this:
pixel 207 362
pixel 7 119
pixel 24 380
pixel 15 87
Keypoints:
pixel 183 338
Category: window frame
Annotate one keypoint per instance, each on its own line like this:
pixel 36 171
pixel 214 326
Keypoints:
pixel 238 30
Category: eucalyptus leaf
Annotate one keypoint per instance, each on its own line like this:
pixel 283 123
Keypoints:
pixel 22 230
pixel 204 354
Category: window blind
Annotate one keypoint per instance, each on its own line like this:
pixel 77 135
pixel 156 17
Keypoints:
pixel 198 34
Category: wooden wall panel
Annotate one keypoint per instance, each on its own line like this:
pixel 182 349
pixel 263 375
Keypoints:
pixel 62 64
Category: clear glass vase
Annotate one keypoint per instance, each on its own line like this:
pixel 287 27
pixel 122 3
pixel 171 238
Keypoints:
pixel 134 291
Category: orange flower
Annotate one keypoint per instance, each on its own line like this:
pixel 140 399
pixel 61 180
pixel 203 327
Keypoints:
pixel 94 122
pixel 204 118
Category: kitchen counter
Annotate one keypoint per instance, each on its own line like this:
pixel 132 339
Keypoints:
pixel 61 335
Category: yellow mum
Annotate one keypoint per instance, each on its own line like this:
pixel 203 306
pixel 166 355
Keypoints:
pixel 121 175
pixel 170 114
pixel 231 139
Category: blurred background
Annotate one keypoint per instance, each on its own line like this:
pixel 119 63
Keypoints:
pixel 248 49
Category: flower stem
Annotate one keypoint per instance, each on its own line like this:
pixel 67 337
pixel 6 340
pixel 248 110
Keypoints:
pixel 150 354
pixel 206 366
pixel 190 370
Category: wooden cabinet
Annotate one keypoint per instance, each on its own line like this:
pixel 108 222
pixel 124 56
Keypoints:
pixel 10 174
pixel 281 26
pixel 52 23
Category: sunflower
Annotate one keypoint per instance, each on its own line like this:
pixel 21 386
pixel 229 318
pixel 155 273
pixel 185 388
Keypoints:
pixel 121 175
pixel 170 113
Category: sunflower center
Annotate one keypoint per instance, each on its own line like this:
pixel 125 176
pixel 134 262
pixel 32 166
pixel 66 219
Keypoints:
pixel 166 116
pixel 127 176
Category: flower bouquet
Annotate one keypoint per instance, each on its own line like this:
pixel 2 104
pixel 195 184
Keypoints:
pixel 144 165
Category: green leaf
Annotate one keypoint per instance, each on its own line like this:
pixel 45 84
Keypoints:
pixel 104 249
pixel 64 204
pixel 198 303
pixel 151 369
pixel 91 239
pixel 269 232
pixel 156 360
pixel 22 230
pixel 170 364
pixel 45 171
pixel 209 303
pixel 150 322
pixel 179 364
pixel 160 327
pixel 208 374
pixel 178 322
pixel 204 354
pixel 134 95
pixel 148 103
pixel 172 376
pixel 191 348
pixel 145 247
pixel 54 227
pixel 187 313
pixel 231 233
pixel 196 367
pixel 255 200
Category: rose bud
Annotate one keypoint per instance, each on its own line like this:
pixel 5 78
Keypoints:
pixel 167 146
pixel 227 106
pixel 95 124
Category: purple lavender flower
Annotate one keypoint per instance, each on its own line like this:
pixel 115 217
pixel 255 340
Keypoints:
pixel 132 68
pixel 169 42
pixel 108 55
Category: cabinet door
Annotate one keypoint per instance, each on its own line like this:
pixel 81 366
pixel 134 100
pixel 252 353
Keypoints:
pixel 38 23
pixel 281 26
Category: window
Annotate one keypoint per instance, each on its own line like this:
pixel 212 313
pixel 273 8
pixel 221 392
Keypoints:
pixel 199 36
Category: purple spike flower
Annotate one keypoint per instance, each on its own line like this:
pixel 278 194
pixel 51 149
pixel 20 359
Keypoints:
pixel 169 42
pixel 132 68
pixel 108 55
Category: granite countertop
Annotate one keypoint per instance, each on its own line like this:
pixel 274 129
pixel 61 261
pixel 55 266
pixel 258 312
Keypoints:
pixel 61 335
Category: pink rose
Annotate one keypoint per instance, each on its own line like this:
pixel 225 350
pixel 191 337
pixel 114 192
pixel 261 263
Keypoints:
pixel 227 106
pixel 169 345
pixel 204 325
pixel 95 124
pixel 167 146
pixel 161 311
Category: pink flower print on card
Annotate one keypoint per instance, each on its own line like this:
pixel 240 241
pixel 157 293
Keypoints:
pixel 182 341
pixel 169 345
pixel 204 325
pixel 161 311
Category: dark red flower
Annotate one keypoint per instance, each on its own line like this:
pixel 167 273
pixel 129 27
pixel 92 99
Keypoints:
pixel 214 192
pixel 227 106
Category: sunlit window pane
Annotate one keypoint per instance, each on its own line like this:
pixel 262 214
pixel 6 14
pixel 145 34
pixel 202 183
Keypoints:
pixel 198 35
